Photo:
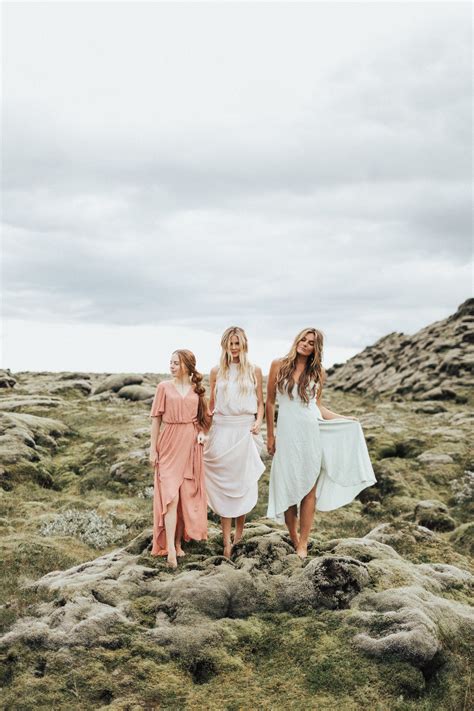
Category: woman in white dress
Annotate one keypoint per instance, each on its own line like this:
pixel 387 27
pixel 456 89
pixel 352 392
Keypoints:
pixel 232 462
pixel 320 458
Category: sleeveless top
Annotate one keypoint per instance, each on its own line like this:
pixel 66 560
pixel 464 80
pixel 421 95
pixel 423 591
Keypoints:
pixel 228 398
pixel 296 407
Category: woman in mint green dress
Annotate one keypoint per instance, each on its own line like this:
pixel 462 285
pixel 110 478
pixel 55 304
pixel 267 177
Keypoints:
pixel 320 458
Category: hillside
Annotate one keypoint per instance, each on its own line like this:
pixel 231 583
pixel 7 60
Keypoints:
pixel 436 363
pixel 379 615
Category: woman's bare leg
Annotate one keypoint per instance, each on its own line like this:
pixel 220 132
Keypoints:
pixel 170 528
pixel 239 528
pixel 308 505
pixel 226 524
pixel 291 520
pixel 178 539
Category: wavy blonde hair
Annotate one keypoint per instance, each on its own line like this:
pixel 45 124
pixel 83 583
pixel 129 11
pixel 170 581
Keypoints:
pixel 187 360
pixel 246 377
pixel 311 379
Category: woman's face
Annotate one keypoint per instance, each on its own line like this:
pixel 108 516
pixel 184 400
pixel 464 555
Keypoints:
pixel 305 345
pixel 176 369
pixel 234 347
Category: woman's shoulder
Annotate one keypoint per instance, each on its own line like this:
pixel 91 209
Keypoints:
pixel 214 370
pixel 163 384
pixel 276 363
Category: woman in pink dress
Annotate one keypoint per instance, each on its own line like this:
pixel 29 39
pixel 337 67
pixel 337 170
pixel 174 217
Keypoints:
pixel 180 502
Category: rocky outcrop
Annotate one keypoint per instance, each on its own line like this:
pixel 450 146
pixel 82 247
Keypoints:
pixel 22 434
pixel 410 623
pixel 6 379
pixel 25 402
pixel 400 608
pixel 437 363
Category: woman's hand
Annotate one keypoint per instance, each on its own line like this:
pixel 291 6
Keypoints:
pixel 255 429
pixel 153 458
pixel 210 413
pixel 349 417
pixel 271 445
pixel 201 438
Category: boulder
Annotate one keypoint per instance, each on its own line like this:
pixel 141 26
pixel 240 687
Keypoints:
pixel 25 402
pixel 330 581
pixel 82 386
pixel 410 624
pixel 434 458
pixel 115 382
pixel 430 408
pixel 463 537
pixel 22 434
pixel 434 515
pixel 6 379
pixel 136 392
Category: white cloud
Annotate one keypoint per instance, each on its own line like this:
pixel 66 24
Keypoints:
pixel 272 165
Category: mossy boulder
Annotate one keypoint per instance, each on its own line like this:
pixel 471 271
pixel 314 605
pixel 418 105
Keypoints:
pixel 463 537
pixel 7 380
pixel 73 386
pixel 115 382
pixel 136 392
pixel 434 515
pixel 411 624
pixel 435 458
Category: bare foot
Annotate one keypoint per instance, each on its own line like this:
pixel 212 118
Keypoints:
pixel 227 550
pixel 237 540
pixel 171 561
pixel 302 550
pixel 179 552
pixel 295 540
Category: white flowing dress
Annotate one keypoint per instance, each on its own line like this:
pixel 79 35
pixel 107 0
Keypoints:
pixel 310 450
pixel 232 462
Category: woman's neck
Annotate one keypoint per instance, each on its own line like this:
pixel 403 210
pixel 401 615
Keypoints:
pixel 182 379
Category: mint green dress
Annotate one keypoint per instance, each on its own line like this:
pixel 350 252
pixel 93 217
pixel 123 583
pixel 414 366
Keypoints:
pixel 310 450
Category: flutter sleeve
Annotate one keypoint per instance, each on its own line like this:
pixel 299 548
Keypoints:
pixel 159 401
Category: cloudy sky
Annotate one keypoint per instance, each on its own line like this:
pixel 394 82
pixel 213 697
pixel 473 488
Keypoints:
pixel 171 169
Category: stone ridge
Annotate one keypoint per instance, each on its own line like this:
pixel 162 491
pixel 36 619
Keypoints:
pixel 264 576
pixel 436 363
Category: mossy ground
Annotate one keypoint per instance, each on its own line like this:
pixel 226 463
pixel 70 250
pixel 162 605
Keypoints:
pixel 266 661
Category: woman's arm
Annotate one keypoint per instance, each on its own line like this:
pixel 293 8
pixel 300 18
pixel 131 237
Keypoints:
pixel 270 407
pixel 212 388
pixel 330 415
pixel 255 429
pixel 155 431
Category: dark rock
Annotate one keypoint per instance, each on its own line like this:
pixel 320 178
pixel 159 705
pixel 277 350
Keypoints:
pixel 6 379
pixel 434 515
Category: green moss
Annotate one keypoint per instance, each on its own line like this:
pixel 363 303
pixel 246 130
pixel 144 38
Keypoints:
pixel 268 661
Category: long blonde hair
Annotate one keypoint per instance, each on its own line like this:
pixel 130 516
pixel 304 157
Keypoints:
pixel 311 379
pixel 187 360
pixel 246 376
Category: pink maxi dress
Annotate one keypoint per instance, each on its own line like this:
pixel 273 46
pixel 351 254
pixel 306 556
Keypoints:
pixel 180 466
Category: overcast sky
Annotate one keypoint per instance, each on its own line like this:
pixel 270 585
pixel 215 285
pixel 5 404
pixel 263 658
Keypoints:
pixel 171 169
